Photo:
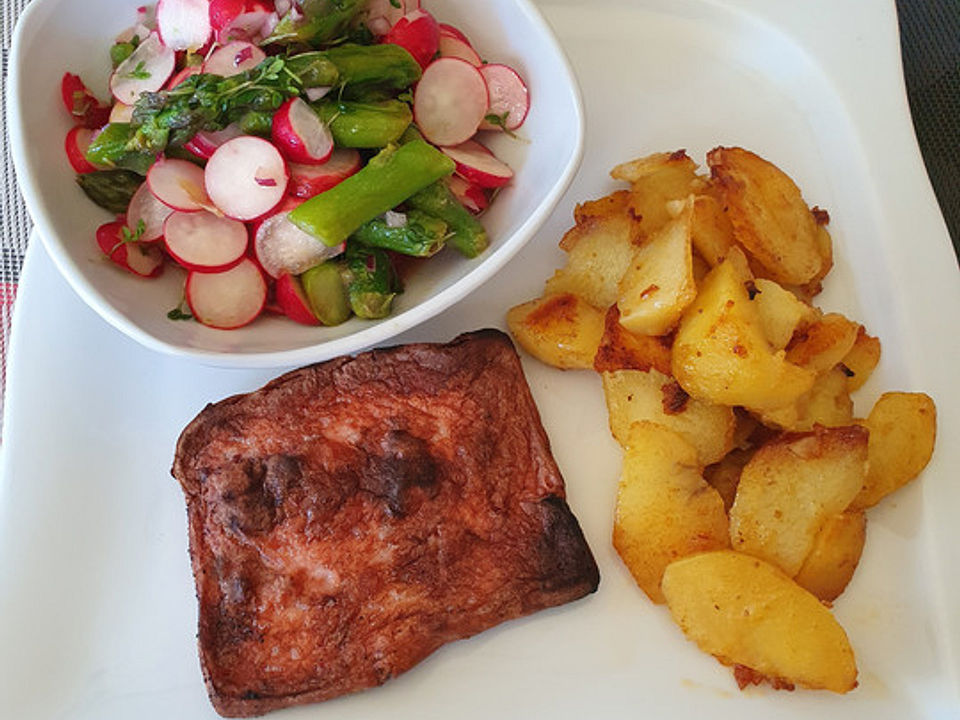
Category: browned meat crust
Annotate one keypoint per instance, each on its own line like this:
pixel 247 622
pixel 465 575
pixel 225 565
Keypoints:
pixel 351 517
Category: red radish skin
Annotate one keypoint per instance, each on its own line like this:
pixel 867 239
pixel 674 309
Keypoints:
pixel 300 134
pixel 282 248
pixel 145 206
pixel 178 184
pixel 246 177
pixel 233 59
pixel 142 260
pixel 416 32
pixel 146 70
pixel 205 242
pixel 82 105
pixel 184 24
pixel 509 98
pixel 453 47
pixel 206 142
pixel 229 299
pixel 450 101
pixel 293 301
pixel 249 20
pixel 446 29
pixel 76 144
pixel 309 180
pixel 478 165
pixel 472 197
pixel 183 75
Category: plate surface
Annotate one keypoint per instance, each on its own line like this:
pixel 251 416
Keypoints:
pixel 97 613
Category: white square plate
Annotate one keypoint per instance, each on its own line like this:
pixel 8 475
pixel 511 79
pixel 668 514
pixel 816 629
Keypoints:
pixel 97 612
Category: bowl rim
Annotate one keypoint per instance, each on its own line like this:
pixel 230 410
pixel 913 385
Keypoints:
pixel 354 342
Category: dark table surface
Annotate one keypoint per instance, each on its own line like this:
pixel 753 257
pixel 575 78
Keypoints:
pixel 930 45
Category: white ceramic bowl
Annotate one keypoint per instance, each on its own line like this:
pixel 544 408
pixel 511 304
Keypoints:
pixel 56 36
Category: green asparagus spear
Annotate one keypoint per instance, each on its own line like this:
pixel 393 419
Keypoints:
pixel 387 180
pixel 371 281
pixel 110 189
pixel 420 236
pixel 466 234
pixel 316 22
pixel 109 149
pixel 326 293
pixel 365 125
pixel 386 65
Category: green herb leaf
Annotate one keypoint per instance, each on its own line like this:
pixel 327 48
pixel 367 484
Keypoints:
pixel 500 121
pixel 139 72
pixel 178 314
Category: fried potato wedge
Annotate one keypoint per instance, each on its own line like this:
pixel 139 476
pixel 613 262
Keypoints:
pixel 616 203
pixel 602 251
pixel 862 359
pixel 903 430
pixel 824 343
pixel 781 312
pixel 744 611
pixel 835 555
pixel 621 349
pixel 561 330
pixel 665 510
pixel 712 234
pixel 634 395
pixel 658 284
pixel 721 355
pixel 724 475
pixel 768 214
pixel 828 403
pixel 790 487
pixel 657 181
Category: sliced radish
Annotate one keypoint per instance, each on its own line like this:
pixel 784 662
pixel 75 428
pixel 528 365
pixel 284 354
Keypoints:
pixel 472 197
pixel 453 47
pixel 206 142
pixel 309 180
pixel 146 70
pixel 145 207
pixel 250 20
pixel 450 101
pixel 300 134
pixel 246 177
pixel 293 301
pixel 418 33
pixel 143 260
pixel 228 299
pixel 234 58
pixel 383 14
pixel 178 184
pixel 138 31
pixel 446 29
pixel 121 113
pixel 183 75
pixel 205 242
pixel 478 165
pixel 76 144
pixel 84 107
pixel 282 248
pixel 184 24
pixel 509 98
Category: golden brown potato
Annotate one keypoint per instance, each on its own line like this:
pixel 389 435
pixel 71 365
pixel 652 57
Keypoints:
pixel 721 355
pixel 561 330
pixel 724 476
pixel 615 203
pixel 824 343
pixel 634 395
pixel 781 312
pixel 658 284
pixel 903 430
pixel 744 611
pixel 665 510
pixel 835 555
pixel 768 214
pixel 622 350
pixel 862 359
pixel 656 181
pixel 790 487
pixel 712 233
pixel 601 253
pixel 828 403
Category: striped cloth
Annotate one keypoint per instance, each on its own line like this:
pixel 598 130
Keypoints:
pixel 930 37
